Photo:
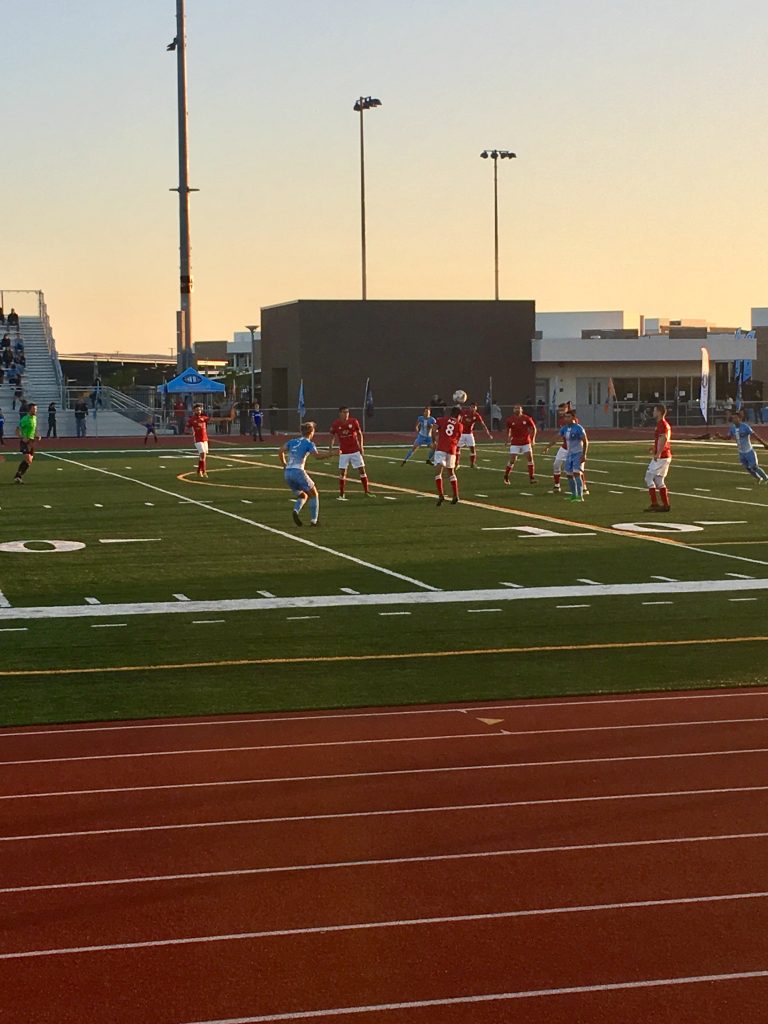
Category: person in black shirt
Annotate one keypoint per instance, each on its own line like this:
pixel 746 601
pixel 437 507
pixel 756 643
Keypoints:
pixel 52 420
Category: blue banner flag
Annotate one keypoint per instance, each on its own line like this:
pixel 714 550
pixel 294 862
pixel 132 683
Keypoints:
pixel 368 401
pixel 301 406
pixel 746 369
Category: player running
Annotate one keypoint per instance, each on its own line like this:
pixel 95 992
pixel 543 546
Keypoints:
pixel 577 443
pixel 470 418
pixel 424 425
pixel 27 434
pixel 447 431
pixel 521 436
pixel 741 432
pixel 658 467
pixel 198 424
pixel 294 455
pixel 347 433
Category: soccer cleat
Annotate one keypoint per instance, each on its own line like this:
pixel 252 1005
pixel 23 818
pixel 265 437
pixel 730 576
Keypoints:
pixel 455 499
pixel 297 518
pixel 556 489
pixel 341 497
pixel 533 481
pixel 403 462
pixel 440 500
pixel 585 491
pixel 314 522
pixel 506 481
pixel 18 480
pixel 664 508
pixel 651 508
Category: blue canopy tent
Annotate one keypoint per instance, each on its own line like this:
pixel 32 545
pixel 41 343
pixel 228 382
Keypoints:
pixel 190 382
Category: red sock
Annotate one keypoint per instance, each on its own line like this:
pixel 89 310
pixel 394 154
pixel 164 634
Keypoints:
pixel 439 485
pixel 364 482
pixel 556 478
pixel 652 492
pixel 455 486
pixel 664 494
pixel 201 465
pixel 530 470
pixel 507 471
pixel 472 459
pixel 342 485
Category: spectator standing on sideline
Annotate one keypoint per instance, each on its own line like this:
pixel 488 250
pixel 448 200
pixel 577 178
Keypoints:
pixel 180 415
pixel 81 417
pixel 149 426
pixel 2 427
pixel 256 418
pixel 495 416
pixel 52 420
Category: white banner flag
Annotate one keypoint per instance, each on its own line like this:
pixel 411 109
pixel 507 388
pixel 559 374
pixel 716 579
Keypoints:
pixel 704 393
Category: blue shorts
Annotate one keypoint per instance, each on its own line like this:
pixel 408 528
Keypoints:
pixel 573 462
pixel 298 480
pixel 748 460
pixel 422 440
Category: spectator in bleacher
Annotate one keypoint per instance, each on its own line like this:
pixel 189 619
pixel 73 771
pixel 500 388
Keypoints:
pixel 21 359
pixel 52 420
pixel 6 342
pixel 2 315
pixel 12 374
pixel 7 357
pixel 2 427
pixel 81 417
pixel 13 319
pixel 23 407
pixel 18 396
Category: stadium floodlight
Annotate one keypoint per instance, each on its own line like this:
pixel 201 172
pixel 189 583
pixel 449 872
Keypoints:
pixel 362 104
pixel 253 328
pixel 496 155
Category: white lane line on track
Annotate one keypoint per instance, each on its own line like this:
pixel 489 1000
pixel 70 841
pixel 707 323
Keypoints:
pixel 565 730
pixel 267 719
pixel 401 923
pixel 492 997
pixel 387 773
pixel 387 812
pixel 249 522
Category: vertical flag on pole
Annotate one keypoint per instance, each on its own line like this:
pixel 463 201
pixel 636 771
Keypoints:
pixel 301 406
pixel 704 392
pixel 368 398
pixel 738 376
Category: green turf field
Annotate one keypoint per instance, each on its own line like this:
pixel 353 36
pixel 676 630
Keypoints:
pixel 202 596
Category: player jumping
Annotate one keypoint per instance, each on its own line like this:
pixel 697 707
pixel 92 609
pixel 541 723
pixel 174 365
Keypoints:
pixel 347 432
pixel 741 432
pixel 658 467
pixel 198 424
pixel 470 418
pixel 293 456
pixel 521 436
pixel 424 425
pixel 447 431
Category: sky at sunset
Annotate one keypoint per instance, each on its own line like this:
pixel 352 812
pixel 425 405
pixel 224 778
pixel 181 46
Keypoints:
pixel 639 125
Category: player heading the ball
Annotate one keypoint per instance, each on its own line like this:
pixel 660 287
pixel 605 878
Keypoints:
pixel 447 431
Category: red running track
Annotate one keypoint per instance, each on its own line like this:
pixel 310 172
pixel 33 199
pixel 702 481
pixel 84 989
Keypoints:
pixel 575 860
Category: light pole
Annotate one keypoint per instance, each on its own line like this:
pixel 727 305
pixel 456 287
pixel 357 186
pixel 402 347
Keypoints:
pixel 361 105
pixel 252 328
pixel 184 316
pixel 495 154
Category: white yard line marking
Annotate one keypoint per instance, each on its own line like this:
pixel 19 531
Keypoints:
pixel 92 600
pixel 384 812
pixel 473 611
pixel 267 719
pixel 481 495
pixel 4 602
pixel 245 604
pixel 573 606
pixel 205 622
pixel 493 997
pixel 744 489
pixel 742 598
pixel 394 923
pixel 685 494
pixel 108 625
pixel 14 629
pixel 704 490
pixel 181 597
pixel 660 602
pixel 626 758
pixel 389 497
pixel 250 522
pixel 129 540
pixel 300 618
pixel 720 522
pixel 739 576
pixel 615 492
pixel 245 501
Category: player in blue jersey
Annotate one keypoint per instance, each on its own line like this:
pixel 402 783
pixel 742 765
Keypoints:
pixel 577 443
pixel 424 425
pixel 293 456
pixel 741 432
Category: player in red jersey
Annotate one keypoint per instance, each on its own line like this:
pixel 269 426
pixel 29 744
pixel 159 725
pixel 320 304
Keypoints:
pixel 347 433
pixel 470 418
pixel 658 467
pixel 198 424
pixel 446 432
pixel 521 436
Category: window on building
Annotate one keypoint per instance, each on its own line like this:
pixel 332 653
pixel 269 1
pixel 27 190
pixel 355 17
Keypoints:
pixel 626 389
pixel 651 389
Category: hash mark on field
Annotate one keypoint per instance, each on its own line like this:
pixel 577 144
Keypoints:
pixel 481 495
pixel 742 598
pixel 181 597
pixel 704 490
pixel 573 606
pixel 665 579
pixel 108 625
pixel 394 613
pixel 96 505
pixel 151 504
pixel 264 593
pixel 615 492
pixel 744 489
pixel 204 622
pixel 299 618
pixel 92 600
pixel 662 602
pixel 47 506
pixel 14 629
pixel 594 583
pixel 389 497
pixel 246 501
pixel 739 576
pixel 59 469
pixel 348 590
pixel 526 494
pixel 472 611
pixel 515 586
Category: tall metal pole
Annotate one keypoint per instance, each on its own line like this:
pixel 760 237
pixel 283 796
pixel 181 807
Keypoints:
pixel 362 200
pixel 185 268
pixel 496 225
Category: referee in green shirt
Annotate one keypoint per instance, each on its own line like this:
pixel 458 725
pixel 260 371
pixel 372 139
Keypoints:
pixel 28 434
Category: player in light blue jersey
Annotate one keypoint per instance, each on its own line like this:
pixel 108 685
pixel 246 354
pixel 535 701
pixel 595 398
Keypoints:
pixel 741 432
pixel 424 425
pixel 294 455
pixel 575 438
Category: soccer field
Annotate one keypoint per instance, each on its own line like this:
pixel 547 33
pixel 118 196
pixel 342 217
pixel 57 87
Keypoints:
pixel 130 588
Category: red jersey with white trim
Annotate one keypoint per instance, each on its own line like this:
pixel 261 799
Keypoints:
pixel 520 429
pixel 663 430
pixel 347 433
pixel 449 430
pixel 469 420
pixel 199 424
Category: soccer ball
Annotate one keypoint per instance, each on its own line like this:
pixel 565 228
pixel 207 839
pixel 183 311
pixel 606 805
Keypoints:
pixel 459 397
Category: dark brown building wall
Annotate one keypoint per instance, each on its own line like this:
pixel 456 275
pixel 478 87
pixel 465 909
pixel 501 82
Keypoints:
pixel 410 350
